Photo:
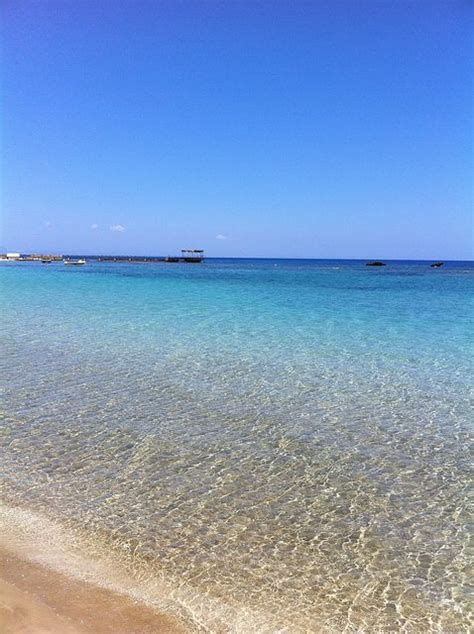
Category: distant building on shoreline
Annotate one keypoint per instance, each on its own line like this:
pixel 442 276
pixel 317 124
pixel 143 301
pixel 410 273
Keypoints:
pixel 33 257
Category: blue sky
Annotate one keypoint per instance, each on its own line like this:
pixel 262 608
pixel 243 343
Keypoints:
pixel 292 129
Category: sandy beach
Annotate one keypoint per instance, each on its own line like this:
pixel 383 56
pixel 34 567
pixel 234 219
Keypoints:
pixel 37 600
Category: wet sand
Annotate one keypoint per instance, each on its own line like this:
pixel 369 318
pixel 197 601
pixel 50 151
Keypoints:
pixel 37 600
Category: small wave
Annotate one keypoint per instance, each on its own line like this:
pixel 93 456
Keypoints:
pixel 35 538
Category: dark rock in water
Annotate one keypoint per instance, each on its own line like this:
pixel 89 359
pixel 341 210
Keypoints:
pixel 376 263
pixel 437 265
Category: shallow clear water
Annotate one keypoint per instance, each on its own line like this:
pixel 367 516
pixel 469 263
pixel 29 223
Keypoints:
pixel 287 437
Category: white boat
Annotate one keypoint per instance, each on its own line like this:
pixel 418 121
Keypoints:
pixel 74 262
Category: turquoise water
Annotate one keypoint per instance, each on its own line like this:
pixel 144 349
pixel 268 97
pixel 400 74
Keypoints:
pixel 287 440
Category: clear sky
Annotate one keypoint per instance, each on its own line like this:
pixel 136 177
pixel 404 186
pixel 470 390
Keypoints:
pixel 273 128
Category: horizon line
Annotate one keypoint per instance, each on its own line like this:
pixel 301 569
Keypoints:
pixel 242 257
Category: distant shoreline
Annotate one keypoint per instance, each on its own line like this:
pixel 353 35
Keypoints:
pixel 162 258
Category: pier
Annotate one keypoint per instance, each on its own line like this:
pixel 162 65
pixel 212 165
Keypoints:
pixel 190 256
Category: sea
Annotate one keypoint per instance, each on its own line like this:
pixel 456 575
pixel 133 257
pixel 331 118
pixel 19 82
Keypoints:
pixel 251 445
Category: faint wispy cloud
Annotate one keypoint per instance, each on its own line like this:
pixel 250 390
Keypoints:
pixel 47 223
pixel 94 226
pixel 118 228
pixel 221 236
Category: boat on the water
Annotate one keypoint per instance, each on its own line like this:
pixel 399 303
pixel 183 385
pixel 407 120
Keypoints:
pixel 74 262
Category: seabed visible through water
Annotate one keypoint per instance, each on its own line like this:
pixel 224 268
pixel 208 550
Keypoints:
pixel 262 448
